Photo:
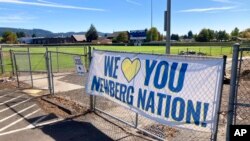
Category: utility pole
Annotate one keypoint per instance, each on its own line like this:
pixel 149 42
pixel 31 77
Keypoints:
pixel 168 24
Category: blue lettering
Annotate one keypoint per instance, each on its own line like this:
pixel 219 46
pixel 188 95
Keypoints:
pixel 141 99
pixel 130 96
pixel 164 78
pixel 181 107
pixel 123 90
pixel 151 102
pixel 95 84
pixel 181 77
pixel 110 66
pixel 149 70
pixel 168 103
pixel 160 102
pixel 193 112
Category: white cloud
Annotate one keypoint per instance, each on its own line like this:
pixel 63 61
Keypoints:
pixel 222 1
pixel 134 2
pixel 228 2
pixel 15 19
pixel 43 3
pixel 210 9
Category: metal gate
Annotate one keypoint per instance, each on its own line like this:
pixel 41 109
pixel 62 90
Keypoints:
pixel 31 70
pixel 239 99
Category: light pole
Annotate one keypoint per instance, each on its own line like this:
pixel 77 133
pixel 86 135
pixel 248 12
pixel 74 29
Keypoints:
pixel 151 38
pixel 168 38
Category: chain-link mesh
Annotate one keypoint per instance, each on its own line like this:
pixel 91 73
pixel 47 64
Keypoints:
pixel 6 66
pixel 242 100
pixel 31 70
pixel 66 82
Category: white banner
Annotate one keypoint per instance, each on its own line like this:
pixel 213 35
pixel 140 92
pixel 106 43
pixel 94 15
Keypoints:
pixel 173 90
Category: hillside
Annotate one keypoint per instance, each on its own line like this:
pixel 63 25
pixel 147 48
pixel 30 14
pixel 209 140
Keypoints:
pixel 42 32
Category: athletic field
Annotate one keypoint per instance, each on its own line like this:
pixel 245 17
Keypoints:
pixel 208 50
pixel 65 61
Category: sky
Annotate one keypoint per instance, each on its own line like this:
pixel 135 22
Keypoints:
pixel 120 15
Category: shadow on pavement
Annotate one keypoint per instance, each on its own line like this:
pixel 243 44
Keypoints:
pixel 71 130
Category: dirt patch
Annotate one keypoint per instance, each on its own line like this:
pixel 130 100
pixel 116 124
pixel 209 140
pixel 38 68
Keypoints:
pixel 245 75
pixel 161 131
pixel 58 106
pixel 10 83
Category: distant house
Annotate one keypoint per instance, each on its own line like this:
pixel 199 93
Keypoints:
pixel 79 38
pixel 25 40
pixel 187 40
pixel 102 40
pixel 55 40
pixel 115 34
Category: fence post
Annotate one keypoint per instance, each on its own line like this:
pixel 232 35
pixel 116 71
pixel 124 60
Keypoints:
pixel 16 69
pixel 221 91
pixel 210 50
pixel 92 106
pixel 11 60
pixel 233 89
pixel 136 120
pixel 51 74
pixel 1 66
pixel 48 69
pixel 30 67
pixel 2 60
pixel 85 58
pixel 57 58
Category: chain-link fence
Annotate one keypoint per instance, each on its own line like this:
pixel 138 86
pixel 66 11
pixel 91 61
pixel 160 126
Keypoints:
pixel 31 70
pixel 242 98
pixel 155 129
pixel 66 81
pixel 54 69
pixel 6 63
pixel 239 98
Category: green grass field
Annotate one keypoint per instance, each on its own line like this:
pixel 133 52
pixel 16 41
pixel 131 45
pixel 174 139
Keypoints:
pixel 66 61
pixel 209 50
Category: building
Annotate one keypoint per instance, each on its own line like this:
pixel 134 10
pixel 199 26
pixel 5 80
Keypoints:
pixel 54 40
pixel 57 40
pixel 115 34
pixel 102 40
pixel 25 40
pixel 79 38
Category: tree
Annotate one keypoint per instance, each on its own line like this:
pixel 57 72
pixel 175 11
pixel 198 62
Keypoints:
pixel 9 37
pixel 175 37
pixel 122 37
pixel 20 34
pixel 160 36
pixel 190 34
pixel 235 32
pixel 33 35
pixel 211 34
pixel 245 34
pixel 152 33
pixel 203 36
pixel 185 36
pixel 92 34
pixel 222 36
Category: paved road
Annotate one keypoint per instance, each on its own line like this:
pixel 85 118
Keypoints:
pixel 18 113
pixel 21 119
